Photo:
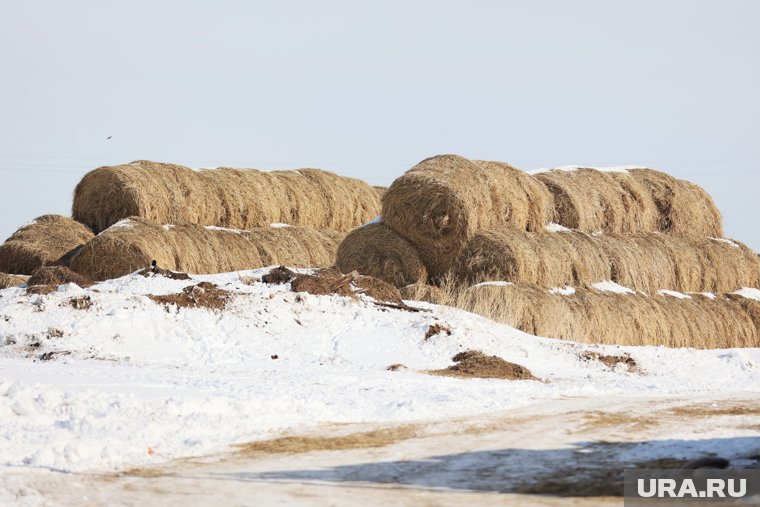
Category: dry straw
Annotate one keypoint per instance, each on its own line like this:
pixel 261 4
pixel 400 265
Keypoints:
pixel 240 199
pixel 442 201
pixel 644 262
pixel 41 242
pixel 637 200
pixel 12 280
pixel 376 250
pixel 429 293
pixel 133 243
pixel 592 316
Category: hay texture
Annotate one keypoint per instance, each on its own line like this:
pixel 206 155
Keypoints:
pixel 224 197
pixel 442 201
pixel 629 201
pixel 41 242
pixel 376 250
pixel 12 280
pixel 55 276
pixel 427 293
pixel 645 262
pixel 134 243
pixel 593 316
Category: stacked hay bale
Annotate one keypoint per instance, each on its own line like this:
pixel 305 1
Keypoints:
pixel 468 222
pixel 49 239
pixel 224 197
pixel 133 243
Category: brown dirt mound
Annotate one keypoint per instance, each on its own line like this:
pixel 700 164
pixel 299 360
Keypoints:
pixel 643 262
pixel 46 240
pixel 57 275
pixel 331 281
pixel 376 250
pixel 591 316
pixel 439 203
pixel 224 197
pixel 201 295
pixel 435 329
pixel 475 364
pixel 12 280
pixel 132 245
pixel 609 360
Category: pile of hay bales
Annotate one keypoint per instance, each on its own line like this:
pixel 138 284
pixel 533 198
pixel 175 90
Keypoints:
pixel 133 243
pixel 593 316
pixel 224 197
pixel 645 262
pixel 46 240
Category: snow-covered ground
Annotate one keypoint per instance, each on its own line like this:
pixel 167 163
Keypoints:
pixel 129 382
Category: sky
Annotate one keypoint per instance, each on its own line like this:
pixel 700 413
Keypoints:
pixel 368 89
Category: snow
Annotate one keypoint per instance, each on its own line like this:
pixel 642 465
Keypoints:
pixel 749 293
pixel 563 291
pixel 608 169
pixel 610 286
pixel 497 283
pixel 124 223
pixel 225 229
pixel 672 293
pixel 552 227
pixel 708 295
pixel 726 241
pixel 378 219
pixel 129 382
pixel 278 225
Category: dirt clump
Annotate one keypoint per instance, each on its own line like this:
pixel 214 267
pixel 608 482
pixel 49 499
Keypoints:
pixel 279 275
pixel 475 364
pixel 81 302
pixel 201 295
pixel 397 367
pixel 611 360
pixel 331 281
pixel 437 328
pixel 155 270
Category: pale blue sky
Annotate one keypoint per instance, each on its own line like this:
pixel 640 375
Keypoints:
pixel 369 88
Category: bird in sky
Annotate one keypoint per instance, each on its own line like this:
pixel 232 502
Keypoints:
pixel 109 137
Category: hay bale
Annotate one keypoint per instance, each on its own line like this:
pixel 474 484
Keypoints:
pixel 683 207
pixel 376 250
pixel 134 243
pixel 589 200
pixel 424 292
pixel 56 275
pixel 224 197
pixel 592 316
pixel 41 242
pixel 7 281
pixel 644 262
pixel 442 201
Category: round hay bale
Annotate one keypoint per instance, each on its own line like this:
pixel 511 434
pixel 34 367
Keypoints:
pixel 224 197
pixel 442 201
pixel 683 207
pixel 645 262
pixel 589 200
pixel 376 250
pixel 7 281
pixel 56 275
pixel 424 292
pixel 43 241
pixel 134 243
pixel 592 316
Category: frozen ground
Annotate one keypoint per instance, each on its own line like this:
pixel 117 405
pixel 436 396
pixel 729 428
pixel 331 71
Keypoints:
pixel 129 383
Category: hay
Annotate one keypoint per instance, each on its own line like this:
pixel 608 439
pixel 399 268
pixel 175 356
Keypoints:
pixel 442 201
pixel 589 200
pixel 132 244
pixel 241 199
pixel 376 250
pixel 427 293
pixel 591 316
pixel 683 207
pixel 7 281
pixel 55 276
pixel 644 262
pixel 41 242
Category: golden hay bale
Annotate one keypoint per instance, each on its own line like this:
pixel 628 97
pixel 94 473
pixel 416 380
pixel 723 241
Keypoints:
pixel 592 316
pixel 376 250
pixel 442 201
pixel 57 275
pixel 644 262
pixel 683 207
pixel 589 200
pixel 428 293
pixel 42 241
pixel 134 243
pixel 12 280
pixel 224 197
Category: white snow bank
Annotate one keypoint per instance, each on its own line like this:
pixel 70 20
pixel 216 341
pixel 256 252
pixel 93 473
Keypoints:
pixel 129 382
pixel 749 293
pixel 610 286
